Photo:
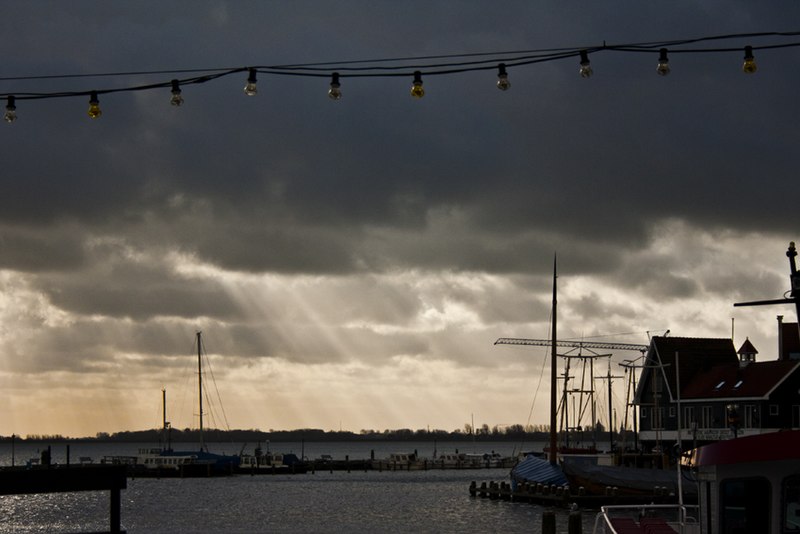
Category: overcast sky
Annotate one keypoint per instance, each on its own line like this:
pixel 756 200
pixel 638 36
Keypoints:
pixel 350 263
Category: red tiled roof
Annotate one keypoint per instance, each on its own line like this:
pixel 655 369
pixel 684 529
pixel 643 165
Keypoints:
pixel 696 356
pixel 755 380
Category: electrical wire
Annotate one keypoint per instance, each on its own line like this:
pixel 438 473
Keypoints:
pixel 429 65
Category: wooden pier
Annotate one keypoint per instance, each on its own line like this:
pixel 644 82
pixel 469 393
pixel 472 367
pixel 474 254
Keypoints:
pixel 65 479
pixel 563 496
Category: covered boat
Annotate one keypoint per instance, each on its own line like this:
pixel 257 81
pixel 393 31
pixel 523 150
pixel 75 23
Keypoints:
pixel 595 479
pixel 538 470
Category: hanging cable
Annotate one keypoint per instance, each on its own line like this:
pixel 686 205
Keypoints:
pixel 432 65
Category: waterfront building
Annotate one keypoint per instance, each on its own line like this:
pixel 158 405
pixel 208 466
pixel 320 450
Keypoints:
pixel 712 392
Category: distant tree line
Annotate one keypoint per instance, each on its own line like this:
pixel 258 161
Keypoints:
pixel 482 433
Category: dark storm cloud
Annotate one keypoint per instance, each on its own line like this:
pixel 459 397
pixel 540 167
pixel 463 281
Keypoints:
pixel 289 181
pixel 468 179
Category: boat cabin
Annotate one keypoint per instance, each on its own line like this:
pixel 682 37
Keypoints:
pixel 750 484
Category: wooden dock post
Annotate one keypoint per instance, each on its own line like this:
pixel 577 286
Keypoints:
pixel 548 522
pixel 575 524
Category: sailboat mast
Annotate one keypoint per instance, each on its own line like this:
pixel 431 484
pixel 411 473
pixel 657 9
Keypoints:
pixel 553 379
pixel 164 409
pixel 200 384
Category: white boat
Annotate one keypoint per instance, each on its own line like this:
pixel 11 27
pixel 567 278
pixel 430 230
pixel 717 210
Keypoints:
pixel 489 460
pixel 451 460
pixel 270 463
pixel 156 458
pixel 401 461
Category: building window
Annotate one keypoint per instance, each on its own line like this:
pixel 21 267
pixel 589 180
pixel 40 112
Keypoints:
pixel 795 415
pixel 707 420
pixel 657 421
pixel 745 505
pixel 657 386
pixel 751 416
pixel 773 409
pixel 790 503
pixel 672 411
pixel 688 417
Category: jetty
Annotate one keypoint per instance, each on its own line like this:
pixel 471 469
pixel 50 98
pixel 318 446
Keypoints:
pixel 563 497
pixel 68 478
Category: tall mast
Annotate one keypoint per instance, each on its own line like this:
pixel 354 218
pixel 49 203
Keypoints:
pixel 553 379
pixel 164 414
pixel 200 384
pixel 164 422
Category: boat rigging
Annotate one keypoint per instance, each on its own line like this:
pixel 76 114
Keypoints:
pixel 554 343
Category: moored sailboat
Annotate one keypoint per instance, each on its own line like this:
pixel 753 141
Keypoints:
pixel 166 461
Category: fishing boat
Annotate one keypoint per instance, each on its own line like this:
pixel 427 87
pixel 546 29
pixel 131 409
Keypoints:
pixel 535 470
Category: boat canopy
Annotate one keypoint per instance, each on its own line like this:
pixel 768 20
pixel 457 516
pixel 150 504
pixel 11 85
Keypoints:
pixel 539 471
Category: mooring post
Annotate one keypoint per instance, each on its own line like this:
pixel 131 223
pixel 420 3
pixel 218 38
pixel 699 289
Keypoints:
pixel 116 516
pixel 575 524
pixel 548 522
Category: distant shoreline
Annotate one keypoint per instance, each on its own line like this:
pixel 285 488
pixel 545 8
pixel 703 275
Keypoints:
pixel 301 435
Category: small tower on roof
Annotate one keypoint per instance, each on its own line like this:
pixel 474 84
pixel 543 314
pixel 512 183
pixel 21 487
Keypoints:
pixel 747 353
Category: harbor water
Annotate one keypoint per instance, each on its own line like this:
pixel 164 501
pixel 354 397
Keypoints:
pixel 338 501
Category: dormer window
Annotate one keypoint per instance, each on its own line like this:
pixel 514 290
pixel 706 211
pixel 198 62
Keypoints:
pixel 719 386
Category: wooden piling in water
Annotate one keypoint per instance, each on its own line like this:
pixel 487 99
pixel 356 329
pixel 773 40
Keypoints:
pixel 548 522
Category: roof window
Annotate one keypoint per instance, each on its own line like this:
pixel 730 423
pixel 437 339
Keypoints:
pixel 719 386
pixel 738 384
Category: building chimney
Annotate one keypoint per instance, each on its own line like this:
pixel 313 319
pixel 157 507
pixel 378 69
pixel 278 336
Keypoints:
pixel 780 338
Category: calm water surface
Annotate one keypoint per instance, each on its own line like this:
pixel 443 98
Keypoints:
pixel 368 501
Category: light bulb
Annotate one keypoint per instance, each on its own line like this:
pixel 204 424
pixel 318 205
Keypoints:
pixel 250 89
pixel 94 105
pixel 176 99
pixel 335 92
pixel 417 90
pixel 749 66
pixel 586 65
pixel 11 110
pixel 502 78
pixel 663 63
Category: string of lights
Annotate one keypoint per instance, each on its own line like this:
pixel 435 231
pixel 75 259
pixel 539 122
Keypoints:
pixel 414 67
